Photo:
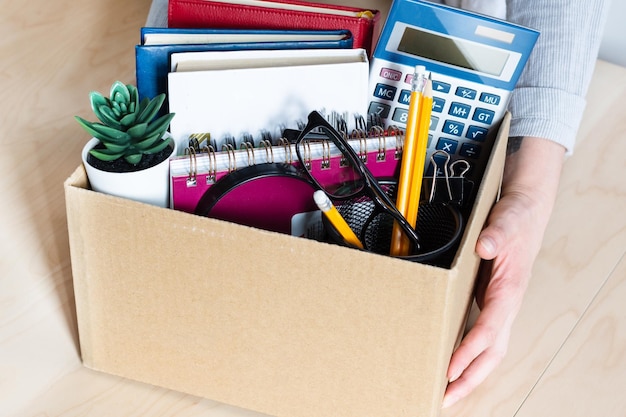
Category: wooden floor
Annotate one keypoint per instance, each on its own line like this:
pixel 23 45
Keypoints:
pixel 568 349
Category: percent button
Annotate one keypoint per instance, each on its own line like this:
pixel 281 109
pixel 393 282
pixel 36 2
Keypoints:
pixel 454 128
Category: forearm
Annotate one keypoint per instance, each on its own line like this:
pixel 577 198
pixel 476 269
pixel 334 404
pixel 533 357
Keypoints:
pixel 549 98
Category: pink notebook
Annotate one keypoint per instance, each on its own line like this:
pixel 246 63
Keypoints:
pixel 266 187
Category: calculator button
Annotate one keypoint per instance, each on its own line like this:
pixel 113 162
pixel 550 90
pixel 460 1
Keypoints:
pixel 441 87
pixel 438 104
pixel 466 93
pixel 489 98
pixel 400 115
pixel 434 121
pixel 470 150
pixel 379 109
pixel 405 97
pixel 390 74
pixel 385 91
pixel 476 133
pixel 453 128
pixel 447 145
pixel 459 110
pixel 483 116
pixel 440 161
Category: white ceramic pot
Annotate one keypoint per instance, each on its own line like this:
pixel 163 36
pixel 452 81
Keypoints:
pixel 151 186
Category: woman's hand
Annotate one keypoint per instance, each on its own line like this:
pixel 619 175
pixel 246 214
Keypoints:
pixel 508 245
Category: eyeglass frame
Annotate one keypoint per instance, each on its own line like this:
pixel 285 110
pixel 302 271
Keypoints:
pixel 371 188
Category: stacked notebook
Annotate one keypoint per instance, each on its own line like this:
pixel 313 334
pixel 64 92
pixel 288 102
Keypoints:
pixel 234 93
pixel 153 54
pixel 250 68
pixel 276 14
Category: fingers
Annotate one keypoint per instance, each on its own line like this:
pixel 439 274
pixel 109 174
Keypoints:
pixel 473 376
pixel 508 246
pixel 486 333
pixel 480 352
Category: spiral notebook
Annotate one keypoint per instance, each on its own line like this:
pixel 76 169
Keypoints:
pixel 197 171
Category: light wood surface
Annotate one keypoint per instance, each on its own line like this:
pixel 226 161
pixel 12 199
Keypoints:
pixel 568 349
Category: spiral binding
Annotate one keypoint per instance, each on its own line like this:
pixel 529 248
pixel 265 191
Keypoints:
pixel 203 158
pixel 192 179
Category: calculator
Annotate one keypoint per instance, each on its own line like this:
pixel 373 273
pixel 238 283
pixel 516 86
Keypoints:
pixel 474 61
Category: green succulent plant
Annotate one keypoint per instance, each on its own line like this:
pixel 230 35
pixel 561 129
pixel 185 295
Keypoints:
pixel 127 129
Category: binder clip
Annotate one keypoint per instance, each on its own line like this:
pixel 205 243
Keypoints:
pixel 450 178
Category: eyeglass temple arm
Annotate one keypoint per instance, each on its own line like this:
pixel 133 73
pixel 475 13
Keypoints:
pixel 371 183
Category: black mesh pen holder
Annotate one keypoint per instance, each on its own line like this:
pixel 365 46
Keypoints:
pixel 439 226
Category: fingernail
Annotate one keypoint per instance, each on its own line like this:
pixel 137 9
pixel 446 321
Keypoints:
pixel 488 244
pixel 454 377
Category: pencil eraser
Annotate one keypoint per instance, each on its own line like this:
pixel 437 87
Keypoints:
pixel 321 199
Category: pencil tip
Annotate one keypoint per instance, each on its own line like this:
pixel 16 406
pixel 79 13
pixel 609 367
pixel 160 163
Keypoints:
pixel 428 87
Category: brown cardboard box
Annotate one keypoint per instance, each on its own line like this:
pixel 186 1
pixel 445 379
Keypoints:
pixel 282 325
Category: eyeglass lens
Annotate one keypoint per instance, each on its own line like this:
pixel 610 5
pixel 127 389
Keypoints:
pixel 332 171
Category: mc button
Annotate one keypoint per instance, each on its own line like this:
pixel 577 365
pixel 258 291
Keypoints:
pixel 384 91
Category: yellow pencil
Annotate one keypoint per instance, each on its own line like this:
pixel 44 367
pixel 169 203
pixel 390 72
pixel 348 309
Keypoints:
pixel 426 106
pixel 408 156
pixel 338 222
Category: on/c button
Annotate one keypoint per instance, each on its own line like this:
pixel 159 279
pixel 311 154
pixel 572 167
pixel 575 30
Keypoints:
pixel 390 74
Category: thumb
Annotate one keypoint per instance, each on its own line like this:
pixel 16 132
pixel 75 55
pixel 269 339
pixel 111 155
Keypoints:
pixel 493 237
pixel 487 245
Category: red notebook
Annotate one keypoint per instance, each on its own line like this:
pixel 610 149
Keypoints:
pixel 276 14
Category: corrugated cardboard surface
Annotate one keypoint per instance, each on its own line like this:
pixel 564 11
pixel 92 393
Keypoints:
pixel 281 325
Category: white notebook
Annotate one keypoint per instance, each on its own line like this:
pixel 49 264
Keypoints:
pixel 234 93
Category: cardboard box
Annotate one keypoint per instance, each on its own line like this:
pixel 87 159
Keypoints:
pixel 278 324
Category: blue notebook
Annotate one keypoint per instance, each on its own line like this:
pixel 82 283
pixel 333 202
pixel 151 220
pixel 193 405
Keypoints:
pixel 152 56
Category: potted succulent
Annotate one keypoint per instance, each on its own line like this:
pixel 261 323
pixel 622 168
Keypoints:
pixel 129 153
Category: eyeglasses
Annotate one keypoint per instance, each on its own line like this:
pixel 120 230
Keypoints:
pixel 352 180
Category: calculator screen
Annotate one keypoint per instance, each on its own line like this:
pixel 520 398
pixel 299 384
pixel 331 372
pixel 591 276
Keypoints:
pixel 453 51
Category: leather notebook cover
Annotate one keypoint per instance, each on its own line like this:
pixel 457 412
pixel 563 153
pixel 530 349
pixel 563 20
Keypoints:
pixel 283 14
